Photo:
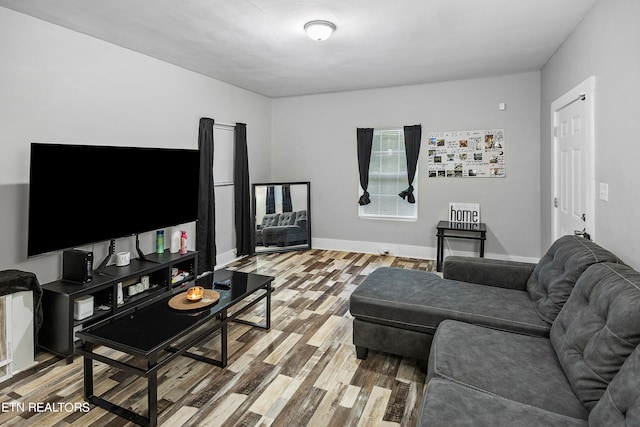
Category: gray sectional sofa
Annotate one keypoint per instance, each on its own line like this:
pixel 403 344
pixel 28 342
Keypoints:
pixel 283 229
pixel 513 343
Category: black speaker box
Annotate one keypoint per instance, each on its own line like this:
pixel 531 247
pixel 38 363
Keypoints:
pixel 77 266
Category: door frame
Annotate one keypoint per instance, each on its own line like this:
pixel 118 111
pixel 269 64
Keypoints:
pixel 584 91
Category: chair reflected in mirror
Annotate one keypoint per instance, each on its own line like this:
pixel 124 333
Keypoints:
pixel 282 219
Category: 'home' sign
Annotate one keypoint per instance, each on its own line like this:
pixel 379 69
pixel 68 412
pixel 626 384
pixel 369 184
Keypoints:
pixel 464 212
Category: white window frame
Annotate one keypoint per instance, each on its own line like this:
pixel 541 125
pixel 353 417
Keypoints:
pixel 401 177
pixel 223 152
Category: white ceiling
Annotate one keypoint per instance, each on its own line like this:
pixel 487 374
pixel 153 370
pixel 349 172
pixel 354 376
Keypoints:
pixel 260 45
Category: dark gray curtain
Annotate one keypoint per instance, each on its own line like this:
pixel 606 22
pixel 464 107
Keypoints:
pixel 206 225
pixel 365 142
pixel 244 232
pixel 271 200
pixel 287 205
pixel 412 136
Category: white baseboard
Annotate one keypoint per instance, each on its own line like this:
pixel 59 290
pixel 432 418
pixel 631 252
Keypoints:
pixel 222 260
pixel 420 252
pixel 410 251
pixel 225 258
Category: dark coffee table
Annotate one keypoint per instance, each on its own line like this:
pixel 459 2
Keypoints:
pixel 155 334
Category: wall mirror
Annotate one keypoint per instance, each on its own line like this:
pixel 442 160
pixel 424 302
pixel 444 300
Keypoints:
pixel 282 216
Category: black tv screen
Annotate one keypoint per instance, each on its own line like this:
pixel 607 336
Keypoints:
pixel 83 194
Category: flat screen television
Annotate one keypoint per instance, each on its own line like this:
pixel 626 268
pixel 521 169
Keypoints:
pixel 84 194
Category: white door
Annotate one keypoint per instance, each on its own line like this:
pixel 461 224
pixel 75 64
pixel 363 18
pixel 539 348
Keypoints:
pixel 573 180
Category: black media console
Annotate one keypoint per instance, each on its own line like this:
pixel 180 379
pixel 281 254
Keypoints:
pixel 57 334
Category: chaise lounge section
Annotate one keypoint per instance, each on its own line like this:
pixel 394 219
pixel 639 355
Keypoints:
pixel 398 310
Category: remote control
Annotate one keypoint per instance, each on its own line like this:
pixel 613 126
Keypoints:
pixel 224 284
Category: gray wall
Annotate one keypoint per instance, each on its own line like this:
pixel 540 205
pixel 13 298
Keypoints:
pixel 314 139
pixel 606 45
pixel 57 85
pixel 61 86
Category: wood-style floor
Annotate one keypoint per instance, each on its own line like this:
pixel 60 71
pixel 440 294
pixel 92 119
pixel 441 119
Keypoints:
pixel 302 372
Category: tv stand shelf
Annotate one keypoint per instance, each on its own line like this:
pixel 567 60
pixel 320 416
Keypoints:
pixel 57 334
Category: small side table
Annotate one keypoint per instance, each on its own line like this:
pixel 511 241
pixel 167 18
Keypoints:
pixel 459 230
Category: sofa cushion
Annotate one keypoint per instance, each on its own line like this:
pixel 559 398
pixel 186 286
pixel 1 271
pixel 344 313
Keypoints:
pixel 488 271
pixel 418 300
pixel 555 275
pixel 518 367
pixel 446 403
pixel 287 218
pixel 598 328
pixel 300 217
pixel 270 220
pixel 620 404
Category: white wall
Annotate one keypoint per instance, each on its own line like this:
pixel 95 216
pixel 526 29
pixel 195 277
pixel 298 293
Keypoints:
pixel 57 85
pixel 606 45
pixel 314 139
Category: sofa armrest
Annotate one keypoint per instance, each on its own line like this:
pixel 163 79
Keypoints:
pixel 492 272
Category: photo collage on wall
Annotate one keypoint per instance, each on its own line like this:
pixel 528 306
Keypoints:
pixel 464 154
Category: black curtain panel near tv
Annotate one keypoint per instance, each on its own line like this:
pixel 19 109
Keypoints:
pixel 206 225
pixel 365 143
pixel 243 217
pixel 412 135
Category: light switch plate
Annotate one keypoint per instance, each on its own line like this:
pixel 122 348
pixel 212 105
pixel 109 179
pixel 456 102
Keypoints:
pixel 604 192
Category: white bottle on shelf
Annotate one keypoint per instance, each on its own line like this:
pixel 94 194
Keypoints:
pixel 120 294
pixel 175 240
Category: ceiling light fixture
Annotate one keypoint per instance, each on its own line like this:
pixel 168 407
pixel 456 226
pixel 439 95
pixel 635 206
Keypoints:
pixel 319 30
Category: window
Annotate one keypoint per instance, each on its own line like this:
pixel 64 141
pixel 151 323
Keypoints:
pixel 224 142
pixel 388 177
